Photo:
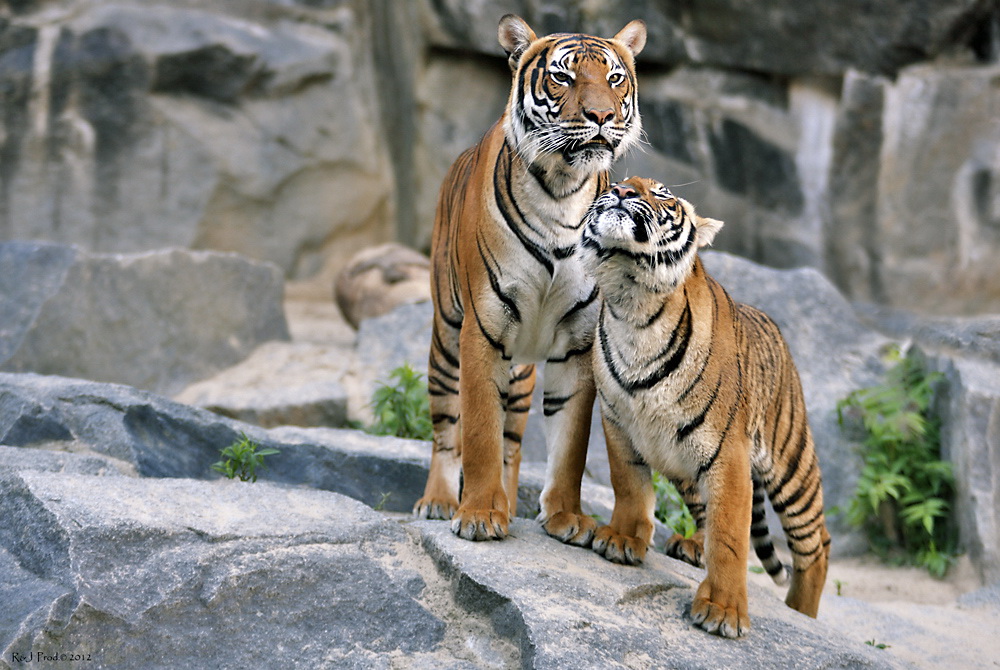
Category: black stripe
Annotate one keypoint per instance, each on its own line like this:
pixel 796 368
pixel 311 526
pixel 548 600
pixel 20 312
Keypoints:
pixel 449 358
pixel 655 316
pixel 571 353
pixel 537 252
pixel 579 305
pixel 496 344
pixel 526 371
pixel 440 368
pixel 433 379
pixel 438 418
pixel 512 436
pixel 812 491
pixel 508 302
pixel 683 330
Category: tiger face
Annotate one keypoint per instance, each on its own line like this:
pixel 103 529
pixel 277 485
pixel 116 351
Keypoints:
pixel 573 101
pixel 641 231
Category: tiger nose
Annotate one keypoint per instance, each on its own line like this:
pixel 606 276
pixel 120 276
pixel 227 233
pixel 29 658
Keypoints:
pixel 599 116
pixel 623 191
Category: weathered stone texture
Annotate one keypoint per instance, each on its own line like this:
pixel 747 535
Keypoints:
pixel 136 126
pixel 158 320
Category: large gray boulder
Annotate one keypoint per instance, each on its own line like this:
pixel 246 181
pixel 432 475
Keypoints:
pixel 139 125
pixel 156 320
pixel 217 570
pixel 225 570
pixel 970 440
pixel 155 437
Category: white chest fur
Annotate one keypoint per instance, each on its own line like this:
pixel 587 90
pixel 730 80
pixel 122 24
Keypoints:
pixel 542 272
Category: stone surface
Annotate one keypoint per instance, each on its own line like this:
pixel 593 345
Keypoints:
pixel 970 439
pixel 156 437
pixel 570 608
pixel 378 279
pixel 320 580
pixel 814 39
pixel 403 336
pixel 156 320
pixel 280 383
pixel 300 132
pixel 949 180
pixel 299 577
pixel 134 125
pixel 312 579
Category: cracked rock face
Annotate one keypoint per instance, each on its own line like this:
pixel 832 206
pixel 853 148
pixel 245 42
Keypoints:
pixel 147 125
pixel 225 573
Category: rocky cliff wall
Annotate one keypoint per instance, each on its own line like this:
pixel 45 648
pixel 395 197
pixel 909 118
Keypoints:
pixel 859 138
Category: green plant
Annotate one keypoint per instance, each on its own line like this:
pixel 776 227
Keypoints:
pixel 381 503
pixel 242 459
pixel 402 409
pixel 904 493
pixel 877 645
pixel 670 507
pixel 840 585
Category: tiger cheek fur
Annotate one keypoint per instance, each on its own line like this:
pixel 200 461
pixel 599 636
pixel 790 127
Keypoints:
pixel 704 390
pixel 509 287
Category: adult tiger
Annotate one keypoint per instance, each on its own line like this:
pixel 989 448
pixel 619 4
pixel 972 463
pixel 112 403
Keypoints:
pixel 508 287
pixel 704 390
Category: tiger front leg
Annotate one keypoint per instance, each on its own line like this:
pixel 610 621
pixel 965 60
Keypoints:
pixel 484 510
pixel 522 385
pixel 440 498
pixel 628 536
pixel 720 603
pixel 568 404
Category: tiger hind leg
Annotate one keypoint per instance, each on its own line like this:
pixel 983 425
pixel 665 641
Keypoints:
pixel 689 549
pixel 522 385
pixel 798 500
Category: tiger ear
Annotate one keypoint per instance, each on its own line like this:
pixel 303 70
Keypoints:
pixel 633 36
pixel 515 36
pixel 707 229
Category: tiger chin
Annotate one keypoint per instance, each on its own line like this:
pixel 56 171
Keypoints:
pixel 702 389
pixel 508 285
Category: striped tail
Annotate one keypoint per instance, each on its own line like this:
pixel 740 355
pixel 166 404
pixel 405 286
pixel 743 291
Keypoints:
pixel 760 537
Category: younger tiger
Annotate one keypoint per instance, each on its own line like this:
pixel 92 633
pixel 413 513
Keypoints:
pixel 704 390
pixel 508 285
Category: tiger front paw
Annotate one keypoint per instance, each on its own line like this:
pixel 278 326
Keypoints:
pixel 619 548
pixel 687 549
pixel 433 507
pixel 720 611
pixel 569 527
pixel 477 522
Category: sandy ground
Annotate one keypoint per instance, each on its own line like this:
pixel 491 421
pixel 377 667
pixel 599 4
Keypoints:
pixel 917 616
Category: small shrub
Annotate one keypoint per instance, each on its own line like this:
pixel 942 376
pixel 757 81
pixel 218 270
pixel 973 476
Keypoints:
pixel 242 459
pixel 402 409
pixel 904 493
pixel 670 507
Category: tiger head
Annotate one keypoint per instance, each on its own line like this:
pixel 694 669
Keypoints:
pixel 573 104
pixel 638 233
